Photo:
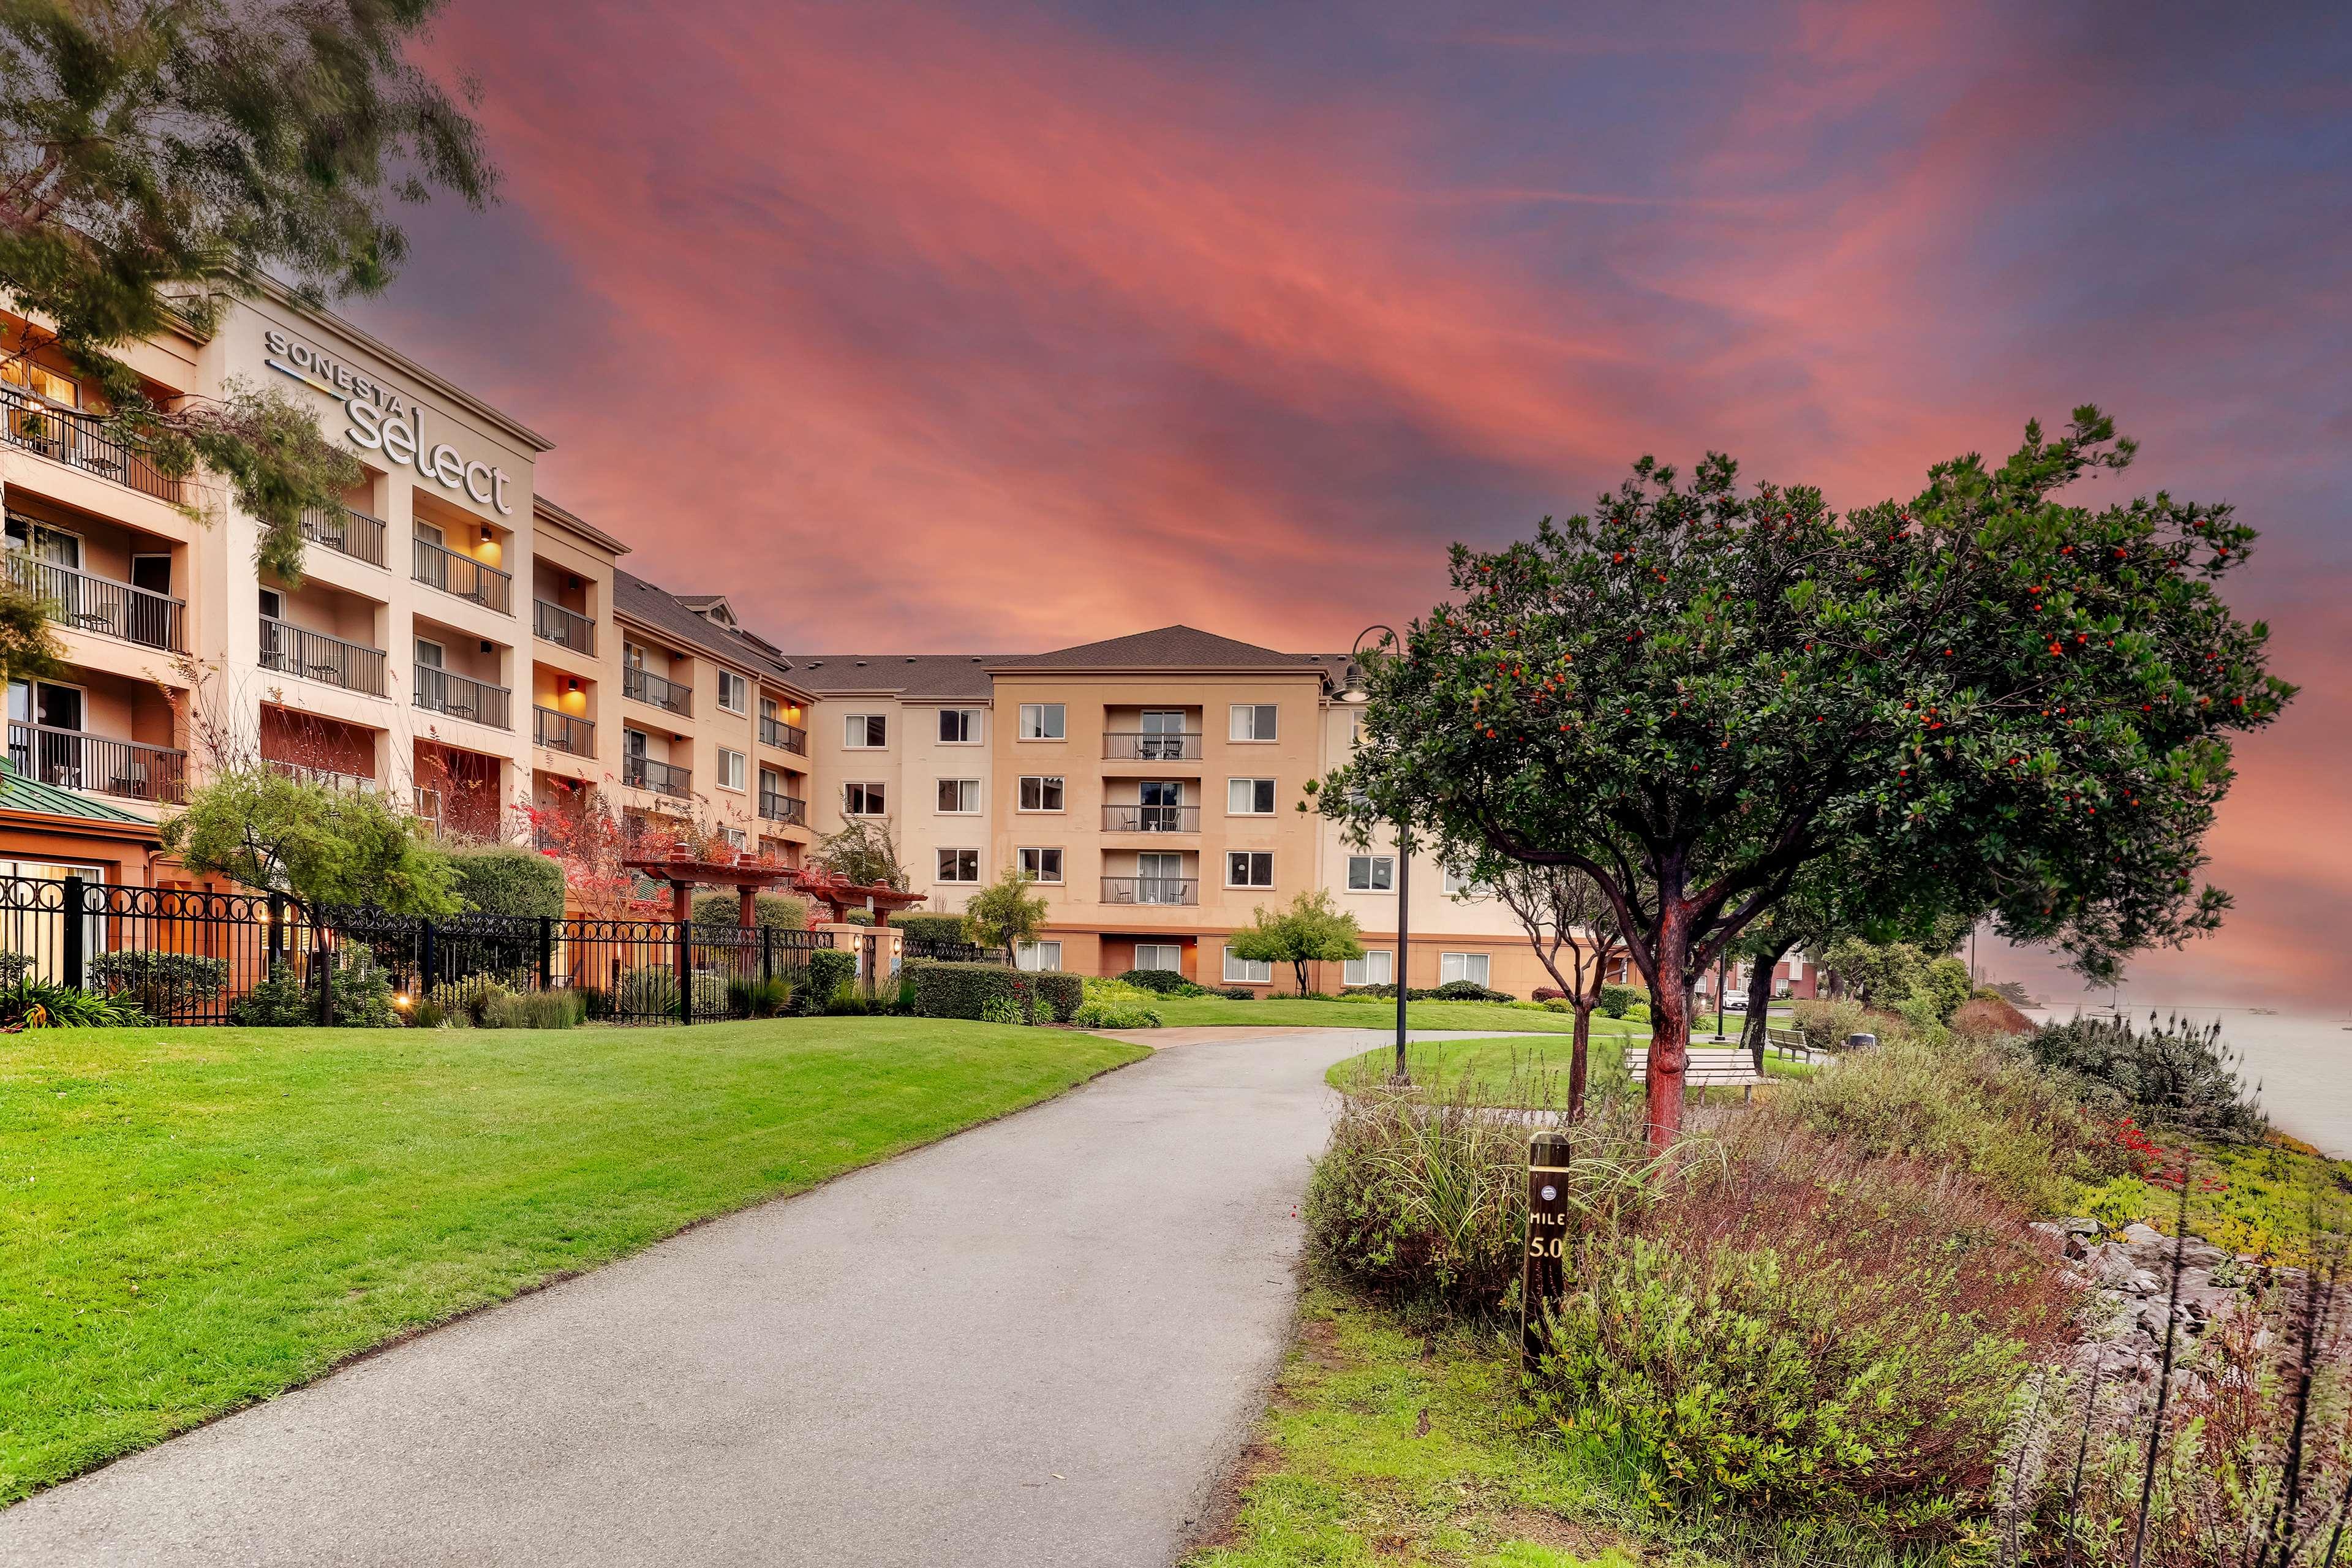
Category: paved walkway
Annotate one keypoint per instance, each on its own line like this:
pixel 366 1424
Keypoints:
pixel 1036 1344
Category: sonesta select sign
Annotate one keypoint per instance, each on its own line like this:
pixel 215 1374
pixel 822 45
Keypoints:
pixel 382 420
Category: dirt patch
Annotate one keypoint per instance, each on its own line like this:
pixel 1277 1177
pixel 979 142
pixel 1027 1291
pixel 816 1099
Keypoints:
pixel 1221 1525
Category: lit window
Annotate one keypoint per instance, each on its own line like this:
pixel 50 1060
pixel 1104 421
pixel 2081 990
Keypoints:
pixel 1041 792
pixel 959 726
pixel 1372 873
pixel 1038 956
pixel 1252 721
pixel 862 800
pixel 1247 971
pixel 1372 969
pixel 1470 966
pixel 1249 868
pixel 1249 797
pixel 1042 865
pixel 734 691
pixel 1042 721
pixel 730 769
pixel 1165 955
pixel 961 797
pixel 863 732
pixel 958 866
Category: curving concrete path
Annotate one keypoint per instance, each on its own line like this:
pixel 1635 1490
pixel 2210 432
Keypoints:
pixel 1034 1344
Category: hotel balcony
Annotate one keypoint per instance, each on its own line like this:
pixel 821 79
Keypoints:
pixel 789 809
pixel 783 736
pixel 79 441
pixel 295 650
pixel 563 733
pixel 463 577
pixel 346 532
pixel 1129 746
pixel 88 603
pixel 1163 891
pixel 464 696
pixel 74 760
pixel 1133 818
pixel 552 622
pixel 656 691
pixel 645 773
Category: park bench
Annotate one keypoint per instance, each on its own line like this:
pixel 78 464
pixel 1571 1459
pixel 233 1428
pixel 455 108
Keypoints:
pixel 1730 1068
pixel 1788 1043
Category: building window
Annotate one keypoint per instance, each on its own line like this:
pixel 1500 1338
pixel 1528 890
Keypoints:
pixel 863 732
pixel 1372 873
pixel 958 866
pixel 862 800
pixel 41 379
pixel 1165 955
pixel 1461 884
pixel 1247 970
pixel 1042 865
pixel 1042 721
pixel 1252 721
pixel 1372 969
pixel 1249 797
pixel 959 796
pixel 1038 956
pixel 1041 792
pixel 1470 966
pixel 734 692
pixel 730 769
pixel 959 726
pixel 734 837
pixel 1249 868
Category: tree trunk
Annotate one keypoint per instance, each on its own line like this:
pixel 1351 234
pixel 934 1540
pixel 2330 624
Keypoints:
pixel 1576 1059
pixel 1760 1003
pixel 1670 1018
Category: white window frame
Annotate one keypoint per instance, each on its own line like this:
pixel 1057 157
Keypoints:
pixel 1253 856
pixel 1032 861
pixel 733 769
pixel 742 686
pixel 1453 966
pixel 1156 948
pixel 857 732
pixel 1034 717
pixel 1364 971
pixel 1061 787
pixel 1036 957
pixel 1373 881
pixel 964 789
pixel 1239 971
pixel 1256 787
pixel 1243 720
pixel 736 838
pixel 968 720
pixel 876 794
pixel 951 871
pixel 1462 884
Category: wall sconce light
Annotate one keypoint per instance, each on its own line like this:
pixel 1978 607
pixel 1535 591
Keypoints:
pixel 486 644
pixel 573 684
pixel 485 533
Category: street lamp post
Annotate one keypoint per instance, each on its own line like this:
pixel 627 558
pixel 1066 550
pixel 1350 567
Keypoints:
pixel 1402 973
pixel 1721 961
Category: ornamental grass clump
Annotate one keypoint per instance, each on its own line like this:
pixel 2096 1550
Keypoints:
pixel 1798 1330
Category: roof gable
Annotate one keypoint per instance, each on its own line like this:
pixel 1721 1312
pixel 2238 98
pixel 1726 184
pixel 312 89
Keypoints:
pixel 1167 647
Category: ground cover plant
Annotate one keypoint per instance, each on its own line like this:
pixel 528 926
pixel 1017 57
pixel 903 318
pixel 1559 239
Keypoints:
pixel 202 1217
pixel 1360 1012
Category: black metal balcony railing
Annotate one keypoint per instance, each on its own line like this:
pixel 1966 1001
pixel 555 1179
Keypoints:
pixel 72 760
pixel 783 736
pixel 90 603
pixel 788 808
pixel 1151 819
pixel 80 441
pixel 463 696
pixel 348 783
pixel 314 656
pixel 463 576
pixel 565 628
pixel 646 687
pixel 353 533
pixel 643 772
pixel 1151 890
pixel 563 733
pixel 1125 747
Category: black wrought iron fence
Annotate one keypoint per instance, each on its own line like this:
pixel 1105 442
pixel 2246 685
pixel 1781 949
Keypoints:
pixel 221 958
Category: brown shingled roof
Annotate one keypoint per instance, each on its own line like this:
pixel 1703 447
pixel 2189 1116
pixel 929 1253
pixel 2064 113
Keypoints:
pixel 1166 647
pixel 915 674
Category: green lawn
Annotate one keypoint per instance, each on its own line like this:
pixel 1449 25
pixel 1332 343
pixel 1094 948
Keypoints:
pixel 197 1218
pixel 1181 1012
pixel 1496 1071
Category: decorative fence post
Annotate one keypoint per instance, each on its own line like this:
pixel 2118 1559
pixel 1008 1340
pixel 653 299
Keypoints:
pixel 322 961
pixel 1543 1270
pixel 766 955
pixel 547 952
pixel 427 957
pixel 277 934
pixel 685 971
pixel 72 956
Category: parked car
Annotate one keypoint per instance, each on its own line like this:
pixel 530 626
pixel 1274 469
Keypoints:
pixel 1735 1001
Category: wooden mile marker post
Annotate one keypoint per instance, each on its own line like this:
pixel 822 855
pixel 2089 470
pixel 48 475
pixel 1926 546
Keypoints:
pixel 1543 1270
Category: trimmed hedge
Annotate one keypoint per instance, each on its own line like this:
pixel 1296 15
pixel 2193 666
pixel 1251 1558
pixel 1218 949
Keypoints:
pixel 509 879
pixel 1451 991
pixel 944 989
pixel 933 927
pixel 772 911
pixel 1616 1001
pixel 1167 981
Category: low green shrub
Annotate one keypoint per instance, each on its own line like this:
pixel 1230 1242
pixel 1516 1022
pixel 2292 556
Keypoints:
pixel 1616 1001
pixel 159 983
pixel 46 1004
pixel 535 1010
pixel 1471 991
pixel 651 992
pixel 2176 1074
pixel 944 989
pixel 1166 981
pixel 770 911
pixel 757 998
pixel 1238 994
pixel 360 999
pixel 934 927
pixel 1116 1013
pixel 1059 993
pixel 1000 1007
pixel 1825 1025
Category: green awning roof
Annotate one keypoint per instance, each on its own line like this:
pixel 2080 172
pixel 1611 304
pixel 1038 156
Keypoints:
pixel 18 793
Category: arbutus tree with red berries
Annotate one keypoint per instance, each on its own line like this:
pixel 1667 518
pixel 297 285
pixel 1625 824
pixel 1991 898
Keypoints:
pixel 1701 690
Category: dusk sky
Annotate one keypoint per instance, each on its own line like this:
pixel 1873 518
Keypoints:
pixel 929 327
